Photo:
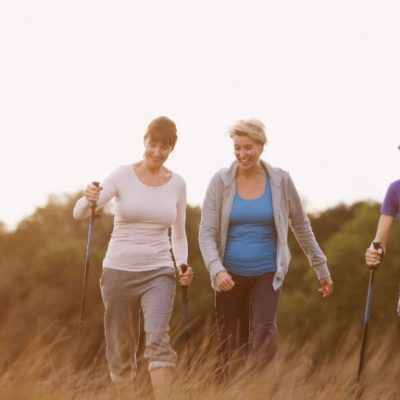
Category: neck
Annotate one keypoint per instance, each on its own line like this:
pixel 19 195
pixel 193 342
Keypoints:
pixel 151 171
pixel 258 169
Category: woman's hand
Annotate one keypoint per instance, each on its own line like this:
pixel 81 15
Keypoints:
pixel 185 278
pixel 326 288
pixel 92 192
pixel 373 257
pixel 224 281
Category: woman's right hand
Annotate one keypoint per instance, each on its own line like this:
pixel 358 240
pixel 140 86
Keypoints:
pixel 224 281
pixel 92 192
pixel 373 257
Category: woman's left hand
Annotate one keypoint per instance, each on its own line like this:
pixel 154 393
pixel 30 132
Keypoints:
pixel 326 286
pixel 187 277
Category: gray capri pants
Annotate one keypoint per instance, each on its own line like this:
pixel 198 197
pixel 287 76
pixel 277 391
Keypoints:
pixel 124 294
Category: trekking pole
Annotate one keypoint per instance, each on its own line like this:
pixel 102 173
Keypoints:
pixel 186 319
pixel 185 300
pixel 85 277
pixel 377 246
pixel 185 297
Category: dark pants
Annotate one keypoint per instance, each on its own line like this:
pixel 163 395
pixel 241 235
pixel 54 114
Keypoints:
pixel 246 317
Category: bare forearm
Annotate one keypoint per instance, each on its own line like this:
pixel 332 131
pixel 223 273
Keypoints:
pixel 382 232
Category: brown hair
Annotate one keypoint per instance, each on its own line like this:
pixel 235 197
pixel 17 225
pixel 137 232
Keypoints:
pixel 163 130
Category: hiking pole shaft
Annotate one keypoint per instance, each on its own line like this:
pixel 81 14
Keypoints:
pixel 184 290
pixel 185 300
pixel 185 297
pixel 366 320
pixel 85 276
pixel 367 313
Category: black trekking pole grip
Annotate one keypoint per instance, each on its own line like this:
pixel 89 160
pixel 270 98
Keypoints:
pixel 93 203
pixel 185 297
pixel 377 246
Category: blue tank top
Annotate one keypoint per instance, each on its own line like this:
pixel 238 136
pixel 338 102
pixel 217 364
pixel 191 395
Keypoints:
pixel 251 244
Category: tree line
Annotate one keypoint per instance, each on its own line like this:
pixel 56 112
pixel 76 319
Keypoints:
pixel 42 265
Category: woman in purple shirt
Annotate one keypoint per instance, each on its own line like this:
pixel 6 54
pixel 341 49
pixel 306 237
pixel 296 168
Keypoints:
pixel 389 210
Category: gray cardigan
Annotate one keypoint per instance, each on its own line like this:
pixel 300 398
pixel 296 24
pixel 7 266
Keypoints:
pixel 287 209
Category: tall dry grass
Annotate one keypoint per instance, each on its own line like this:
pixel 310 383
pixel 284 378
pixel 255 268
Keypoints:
pixel 45 371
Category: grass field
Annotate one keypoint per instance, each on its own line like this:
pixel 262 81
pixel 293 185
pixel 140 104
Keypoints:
pixel 45 372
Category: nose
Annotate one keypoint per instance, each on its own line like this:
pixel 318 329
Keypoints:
pixel 241 153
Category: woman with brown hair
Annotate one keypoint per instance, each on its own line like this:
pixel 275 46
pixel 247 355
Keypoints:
pixel 138 271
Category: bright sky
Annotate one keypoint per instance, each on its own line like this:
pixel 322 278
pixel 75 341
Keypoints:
pixel 81 79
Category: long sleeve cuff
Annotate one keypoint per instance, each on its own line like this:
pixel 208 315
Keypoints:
pixel 322 270
pixel 215 266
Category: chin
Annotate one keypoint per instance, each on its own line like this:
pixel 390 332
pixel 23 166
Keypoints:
pixel 246 166
pixel 154 163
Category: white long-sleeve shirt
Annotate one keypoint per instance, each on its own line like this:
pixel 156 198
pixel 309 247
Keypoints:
pixel 139 241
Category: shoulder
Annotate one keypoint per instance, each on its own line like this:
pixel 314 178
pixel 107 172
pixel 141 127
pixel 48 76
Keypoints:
pixel 221 174
pixel 395 185
pixel 119 173
pixel 277 174
pixel 178 179
pixel 224 176
pixel 219 180
pixel 122 170
pixel 393 189
pixel 177 184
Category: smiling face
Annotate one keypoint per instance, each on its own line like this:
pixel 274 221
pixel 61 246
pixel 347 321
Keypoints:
pixel 156 153
pixel 247 151
pixel 159 141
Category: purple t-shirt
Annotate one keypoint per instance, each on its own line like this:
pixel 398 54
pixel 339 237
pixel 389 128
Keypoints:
pixel 391 203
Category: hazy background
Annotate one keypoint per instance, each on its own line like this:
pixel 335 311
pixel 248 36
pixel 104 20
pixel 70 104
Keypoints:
pixel 80 81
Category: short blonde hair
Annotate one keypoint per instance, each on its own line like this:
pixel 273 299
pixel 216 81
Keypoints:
pixel 253 128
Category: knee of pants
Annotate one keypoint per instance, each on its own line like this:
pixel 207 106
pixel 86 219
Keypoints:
pixel 263 336
pixel 159 351
pixel 263 344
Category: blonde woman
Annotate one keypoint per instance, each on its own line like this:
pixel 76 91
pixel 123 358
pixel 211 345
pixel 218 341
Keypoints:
pixel 138 272
pixel 245 219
